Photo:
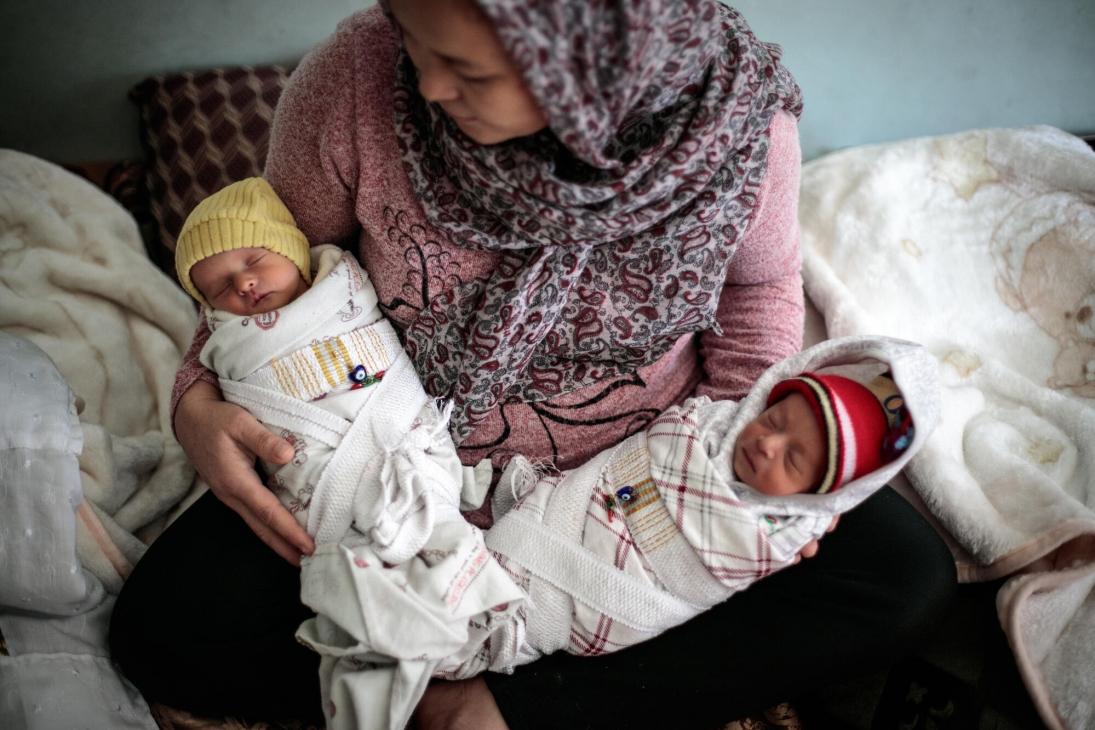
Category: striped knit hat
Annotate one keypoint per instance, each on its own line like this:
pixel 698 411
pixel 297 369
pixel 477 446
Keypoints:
pixel 246 214
pixel 865 426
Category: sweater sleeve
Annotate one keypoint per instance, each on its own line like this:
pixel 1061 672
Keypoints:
pixel 761 306
pixel 191 370
pixel 314 158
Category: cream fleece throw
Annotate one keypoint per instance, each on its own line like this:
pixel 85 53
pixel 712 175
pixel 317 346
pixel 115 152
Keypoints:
pixel 81 308
pixel 982 246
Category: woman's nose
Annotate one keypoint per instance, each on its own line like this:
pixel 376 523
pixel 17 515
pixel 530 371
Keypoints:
pixel 436 82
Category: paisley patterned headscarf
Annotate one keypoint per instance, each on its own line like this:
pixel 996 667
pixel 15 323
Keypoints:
pixel 616 225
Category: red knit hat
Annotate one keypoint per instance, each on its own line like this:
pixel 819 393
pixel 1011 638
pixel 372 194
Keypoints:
pixel 864 426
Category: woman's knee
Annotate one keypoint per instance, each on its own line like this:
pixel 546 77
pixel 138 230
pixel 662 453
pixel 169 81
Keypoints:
pixel 909 564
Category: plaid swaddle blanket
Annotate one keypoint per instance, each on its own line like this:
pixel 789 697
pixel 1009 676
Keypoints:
pixel 634 543
pixel 657 530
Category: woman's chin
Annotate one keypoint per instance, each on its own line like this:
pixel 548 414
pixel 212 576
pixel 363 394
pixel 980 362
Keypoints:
pixel 480 134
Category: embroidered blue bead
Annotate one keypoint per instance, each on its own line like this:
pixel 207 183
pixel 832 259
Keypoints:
pixel 897 441
pixel 625 494
pixel 359 374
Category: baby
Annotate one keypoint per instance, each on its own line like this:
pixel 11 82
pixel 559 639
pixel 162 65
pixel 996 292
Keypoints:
pixel 806 439
pixel 709 498
pixel 297 338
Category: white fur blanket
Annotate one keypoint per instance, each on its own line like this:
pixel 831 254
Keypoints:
pixel 75 282
pixel 982 246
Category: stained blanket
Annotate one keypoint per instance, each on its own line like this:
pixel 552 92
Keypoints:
pixel 82 309
pixel 982 246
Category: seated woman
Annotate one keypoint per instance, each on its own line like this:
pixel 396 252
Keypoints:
pixel 576 215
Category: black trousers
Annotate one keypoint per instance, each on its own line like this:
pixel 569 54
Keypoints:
pixel 206 622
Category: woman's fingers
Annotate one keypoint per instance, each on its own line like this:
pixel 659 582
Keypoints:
pixel 810 549
pixel 257 439
pixel 256 504
pixel 222 440
pixel 272 523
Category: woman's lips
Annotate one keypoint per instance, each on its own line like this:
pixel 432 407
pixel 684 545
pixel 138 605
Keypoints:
pixel 460 117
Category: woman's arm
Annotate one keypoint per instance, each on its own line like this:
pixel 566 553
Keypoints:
pixel 761 308
pixel 320 138
pixel 222 441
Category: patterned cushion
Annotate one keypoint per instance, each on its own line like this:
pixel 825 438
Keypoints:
pixel 202 131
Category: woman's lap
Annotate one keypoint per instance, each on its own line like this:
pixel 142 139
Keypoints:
pixel 880 581
pixel 206 623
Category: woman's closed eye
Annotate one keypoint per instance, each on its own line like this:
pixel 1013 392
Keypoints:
pixel 479 80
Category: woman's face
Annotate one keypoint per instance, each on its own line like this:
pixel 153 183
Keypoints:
pixel 463 68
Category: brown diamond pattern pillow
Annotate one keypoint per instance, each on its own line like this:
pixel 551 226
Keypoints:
pixel 202 131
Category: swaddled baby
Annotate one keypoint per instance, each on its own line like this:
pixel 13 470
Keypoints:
pixel 709 498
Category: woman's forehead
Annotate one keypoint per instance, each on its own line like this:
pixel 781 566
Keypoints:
pixel 456 30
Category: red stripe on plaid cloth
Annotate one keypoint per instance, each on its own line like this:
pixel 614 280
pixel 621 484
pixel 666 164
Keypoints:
pixel 596 643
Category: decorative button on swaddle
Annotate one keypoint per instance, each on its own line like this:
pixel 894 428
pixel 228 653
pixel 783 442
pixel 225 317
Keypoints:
pixel 360 378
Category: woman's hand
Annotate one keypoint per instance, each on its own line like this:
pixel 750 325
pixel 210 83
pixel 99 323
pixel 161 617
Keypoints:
pixel 464 705
pixel 222 440
pixel 811 548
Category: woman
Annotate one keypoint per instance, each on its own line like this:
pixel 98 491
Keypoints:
pixel 577 214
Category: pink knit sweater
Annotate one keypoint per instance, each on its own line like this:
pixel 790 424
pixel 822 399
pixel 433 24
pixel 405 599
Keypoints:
pixel 335 161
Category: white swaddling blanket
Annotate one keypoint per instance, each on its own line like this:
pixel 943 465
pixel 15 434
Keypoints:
pixel 291 368
pixel 375 479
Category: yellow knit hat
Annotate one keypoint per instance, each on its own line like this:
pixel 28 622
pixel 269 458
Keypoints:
pixel 246 214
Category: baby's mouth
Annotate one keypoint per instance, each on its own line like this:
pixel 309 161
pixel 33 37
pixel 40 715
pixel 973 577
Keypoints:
pixel 748 460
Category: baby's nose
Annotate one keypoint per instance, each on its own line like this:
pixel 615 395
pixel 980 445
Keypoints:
pixel 769 443
pixel 244 282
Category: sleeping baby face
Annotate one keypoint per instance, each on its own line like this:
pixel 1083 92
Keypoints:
pixel 782 451
pixel 248 281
